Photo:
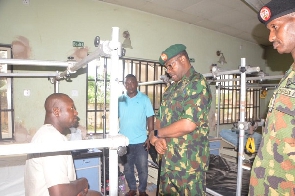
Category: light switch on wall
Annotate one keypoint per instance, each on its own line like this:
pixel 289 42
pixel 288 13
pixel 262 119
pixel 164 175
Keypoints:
pixel 27 93
pixel 26 2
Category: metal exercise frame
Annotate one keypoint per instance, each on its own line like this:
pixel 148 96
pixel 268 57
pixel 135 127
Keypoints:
pixel 242 70
pixel 113 142
pixel 241 124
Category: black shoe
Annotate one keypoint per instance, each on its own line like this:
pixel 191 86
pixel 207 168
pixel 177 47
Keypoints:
pixel 131 193
pixel 143 194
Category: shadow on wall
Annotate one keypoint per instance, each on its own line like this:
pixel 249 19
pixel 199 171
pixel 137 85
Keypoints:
pixel 260 29
pixel 80 53
pixel 21 48
pixel 21 134
pixel 276 61
pixel 212 122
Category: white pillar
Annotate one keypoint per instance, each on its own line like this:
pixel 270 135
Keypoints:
pixel 114 85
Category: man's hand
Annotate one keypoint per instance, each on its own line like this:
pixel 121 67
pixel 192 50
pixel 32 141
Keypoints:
pixel 93 193
pixel 77 187
pixel 160 145
pixel 152 138
pixel 83 193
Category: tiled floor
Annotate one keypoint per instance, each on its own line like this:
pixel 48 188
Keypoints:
pixel 151 190
pixel 152 181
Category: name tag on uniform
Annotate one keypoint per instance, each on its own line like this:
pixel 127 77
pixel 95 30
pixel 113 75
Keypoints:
pixel 286 91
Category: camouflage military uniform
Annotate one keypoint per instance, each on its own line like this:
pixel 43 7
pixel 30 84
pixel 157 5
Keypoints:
pixel 185 162
pixel 273 171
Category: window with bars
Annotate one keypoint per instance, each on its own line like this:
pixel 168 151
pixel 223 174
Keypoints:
pixel 228 100
pixel 6 104
pixel 98 87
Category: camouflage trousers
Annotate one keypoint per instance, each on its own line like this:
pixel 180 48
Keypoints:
pixel 182 183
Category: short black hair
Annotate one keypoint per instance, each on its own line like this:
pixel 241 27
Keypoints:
pixel 130 76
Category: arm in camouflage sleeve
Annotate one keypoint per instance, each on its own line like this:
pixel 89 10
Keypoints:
pixel 197 104
pixel 150 125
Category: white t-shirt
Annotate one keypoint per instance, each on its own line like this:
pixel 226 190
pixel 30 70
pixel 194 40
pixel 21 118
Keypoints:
pixel 44 170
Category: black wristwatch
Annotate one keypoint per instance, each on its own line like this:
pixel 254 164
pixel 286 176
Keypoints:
pixel 156 133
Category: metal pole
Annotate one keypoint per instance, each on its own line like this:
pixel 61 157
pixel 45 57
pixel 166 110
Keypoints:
pixel 261 78
pixel 151 82
pixel 35 62
pixel 211 192
pixel 252 85
pixel 94 55
pixel 249 70
pixel 241 126
pixel 217 71
pixel 15 75
pixel 114 85
pixel 56 86
pixel 104 151
pixel 111 142
pixel 218 110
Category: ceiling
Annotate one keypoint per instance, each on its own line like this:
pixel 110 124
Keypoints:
pixel 232 17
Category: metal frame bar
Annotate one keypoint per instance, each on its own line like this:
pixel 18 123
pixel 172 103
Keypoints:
pixel 103 50
pixel 242 130
pixel 212 192
pixel 112 142
pixel 19 75
pixel 36 62
pixel 260 78
pixel 217 71
pixel 114 85
pixel 151 82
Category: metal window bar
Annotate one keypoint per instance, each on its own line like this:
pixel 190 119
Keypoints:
pixel 230 99
pixel 247 105
pixel 143 70
pixel 238 98
pixel 154 87
pixel 8 109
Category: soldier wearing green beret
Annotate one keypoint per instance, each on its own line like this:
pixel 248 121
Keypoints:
pixel 273 170
pixel 182 126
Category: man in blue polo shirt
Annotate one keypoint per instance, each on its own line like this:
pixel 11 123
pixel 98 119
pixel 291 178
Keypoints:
pixel 136 116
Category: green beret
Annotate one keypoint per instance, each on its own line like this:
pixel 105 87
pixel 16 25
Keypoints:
pixel 171 52
pixel 275 9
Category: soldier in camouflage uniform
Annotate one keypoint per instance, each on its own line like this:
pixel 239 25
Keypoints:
pixel 182 127
pixel 273 171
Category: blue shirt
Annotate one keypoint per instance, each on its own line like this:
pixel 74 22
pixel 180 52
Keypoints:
pixel 133 114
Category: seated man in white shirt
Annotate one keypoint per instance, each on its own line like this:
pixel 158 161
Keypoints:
pixel 53 173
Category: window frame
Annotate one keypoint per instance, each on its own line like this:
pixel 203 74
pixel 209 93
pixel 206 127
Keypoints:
pixel 228 100
pixel 9 109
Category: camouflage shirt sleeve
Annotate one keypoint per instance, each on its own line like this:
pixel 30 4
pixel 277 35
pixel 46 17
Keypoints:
pixel 197 100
